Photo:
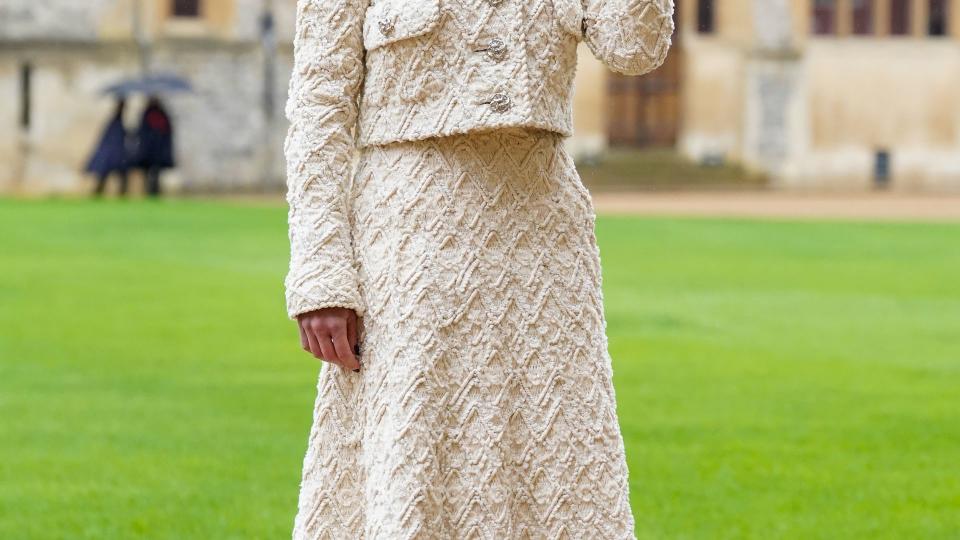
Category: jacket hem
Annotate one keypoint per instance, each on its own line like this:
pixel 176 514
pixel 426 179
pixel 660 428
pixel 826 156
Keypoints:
pixel 390 138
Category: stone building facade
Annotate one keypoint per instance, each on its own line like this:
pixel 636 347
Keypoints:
pixel 823 94
pixel 57 55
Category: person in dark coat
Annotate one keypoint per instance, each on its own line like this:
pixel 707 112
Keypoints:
pixel 155 144
pixel 112 154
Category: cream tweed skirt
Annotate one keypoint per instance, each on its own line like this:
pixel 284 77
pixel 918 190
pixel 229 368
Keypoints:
pixel 485 407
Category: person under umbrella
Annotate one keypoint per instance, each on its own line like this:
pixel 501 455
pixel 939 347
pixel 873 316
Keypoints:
pixel 155 144
pixel 112 154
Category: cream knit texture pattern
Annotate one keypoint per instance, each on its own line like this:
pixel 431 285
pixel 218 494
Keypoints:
pixel 384 71
pixel 433 76
pixel 430 191
pixel 485 408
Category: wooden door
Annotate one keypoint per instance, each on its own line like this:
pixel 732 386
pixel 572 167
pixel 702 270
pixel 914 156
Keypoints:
pixel 645 110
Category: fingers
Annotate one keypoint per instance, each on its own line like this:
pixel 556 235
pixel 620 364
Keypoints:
pixel 352 331
pixel 345 353
pixel 317 343
pixel 332 336
pixel 313 345
pixel 304 342
pixel 329 353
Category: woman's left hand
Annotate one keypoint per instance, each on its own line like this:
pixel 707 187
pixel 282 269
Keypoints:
pixel 330 334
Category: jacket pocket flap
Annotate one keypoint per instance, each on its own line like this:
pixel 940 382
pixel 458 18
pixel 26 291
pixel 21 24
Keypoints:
pixel 388 21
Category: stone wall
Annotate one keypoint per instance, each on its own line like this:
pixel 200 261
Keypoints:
pixel 818 112
pixel 225 139
pixel 712 81
pixel 56 20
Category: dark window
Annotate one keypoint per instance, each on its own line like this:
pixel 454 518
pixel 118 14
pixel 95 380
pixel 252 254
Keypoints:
pixel 705 16
pixel 824 17
pixel 26 89
pixel 900 17
pixel 881 168
pixel 186 8
pixel 937 23
pixel 863 17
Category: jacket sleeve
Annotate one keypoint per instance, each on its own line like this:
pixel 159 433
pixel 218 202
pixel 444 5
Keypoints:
pixel 328 71
pixel 629 36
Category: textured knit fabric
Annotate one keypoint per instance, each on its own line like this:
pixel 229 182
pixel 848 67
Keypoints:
pixel 369 73
pixel 485 407
pixel 438 74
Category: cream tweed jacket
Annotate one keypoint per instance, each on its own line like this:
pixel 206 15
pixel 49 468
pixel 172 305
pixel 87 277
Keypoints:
pixel 372 72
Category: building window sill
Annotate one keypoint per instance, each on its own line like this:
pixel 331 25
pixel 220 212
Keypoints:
pixel 185 27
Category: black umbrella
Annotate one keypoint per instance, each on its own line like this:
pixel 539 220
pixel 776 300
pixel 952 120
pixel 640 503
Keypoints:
pixel 153 83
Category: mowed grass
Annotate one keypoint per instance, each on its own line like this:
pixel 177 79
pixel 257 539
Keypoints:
pixel 775 379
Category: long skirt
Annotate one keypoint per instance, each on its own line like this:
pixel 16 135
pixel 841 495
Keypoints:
pixel 485 406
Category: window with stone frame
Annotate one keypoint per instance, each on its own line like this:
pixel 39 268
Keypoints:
pixel 937 18
pixel 186 8
pixel 862 17
pixel 824 17
pixel 900 19
pixel 706 18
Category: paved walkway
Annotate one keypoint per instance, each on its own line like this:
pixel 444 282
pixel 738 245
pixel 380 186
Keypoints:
pixel 790 205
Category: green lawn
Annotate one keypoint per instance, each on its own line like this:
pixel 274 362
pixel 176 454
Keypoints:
pixel 775 379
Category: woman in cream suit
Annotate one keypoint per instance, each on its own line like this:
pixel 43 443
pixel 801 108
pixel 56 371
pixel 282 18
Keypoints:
pixel 450 276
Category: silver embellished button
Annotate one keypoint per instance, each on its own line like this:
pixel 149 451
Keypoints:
pixel 386 26
pixel 500 103
pixel 496 50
